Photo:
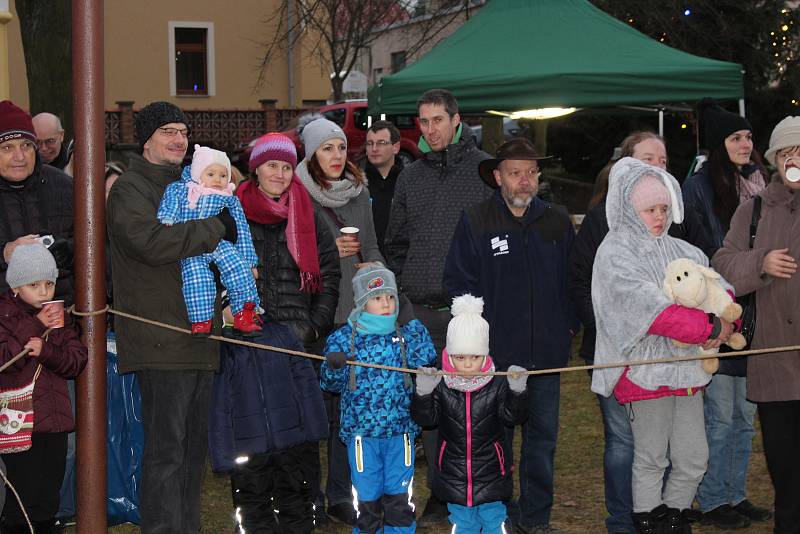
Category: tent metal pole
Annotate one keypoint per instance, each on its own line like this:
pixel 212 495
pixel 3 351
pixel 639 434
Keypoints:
pixel 90 282
pixel 661 122
pixel 741 107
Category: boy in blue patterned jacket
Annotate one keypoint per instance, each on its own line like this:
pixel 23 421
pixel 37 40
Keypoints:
pixel 205 190
pixel 376 420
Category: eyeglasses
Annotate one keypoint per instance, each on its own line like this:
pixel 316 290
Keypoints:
pixel 532 174
pixel 380 143
pixel 50 141
pixel 172 132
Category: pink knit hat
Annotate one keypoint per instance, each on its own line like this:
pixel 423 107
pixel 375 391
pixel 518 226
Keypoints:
pixel 273 147
pixel 203 157
pixel 649 191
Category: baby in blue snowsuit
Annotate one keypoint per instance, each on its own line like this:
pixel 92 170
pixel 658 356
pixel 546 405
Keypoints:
pixel 204 190
pixel 376 420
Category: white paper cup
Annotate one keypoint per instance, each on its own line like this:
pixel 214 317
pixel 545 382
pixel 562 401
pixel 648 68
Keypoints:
pixel 350 231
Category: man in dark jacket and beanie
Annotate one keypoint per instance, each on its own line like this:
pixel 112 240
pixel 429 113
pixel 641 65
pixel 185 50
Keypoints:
pixel 382 169
pixel 35 199
pixel 512 250
pixel 174 370
pixel 429 197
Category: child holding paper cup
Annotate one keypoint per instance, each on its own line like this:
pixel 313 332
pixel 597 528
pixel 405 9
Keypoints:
pixel 37 473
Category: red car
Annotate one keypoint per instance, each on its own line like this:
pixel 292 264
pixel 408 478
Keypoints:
pixel 351 115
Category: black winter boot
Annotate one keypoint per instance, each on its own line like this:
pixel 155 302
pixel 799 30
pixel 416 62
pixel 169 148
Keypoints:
pixel 649 522
pixel 675 522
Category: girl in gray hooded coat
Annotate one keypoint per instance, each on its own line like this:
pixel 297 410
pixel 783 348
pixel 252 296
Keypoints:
pixel 636 321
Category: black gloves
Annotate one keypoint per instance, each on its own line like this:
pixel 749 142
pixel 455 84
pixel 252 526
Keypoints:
pixel 61 249
pixel 336 360
pixel 231 234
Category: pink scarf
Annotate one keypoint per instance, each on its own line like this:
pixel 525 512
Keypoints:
pixel 198 190
pixel 295 207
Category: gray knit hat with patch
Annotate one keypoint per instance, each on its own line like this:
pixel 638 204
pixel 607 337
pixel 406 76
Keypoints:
pixel 371 281
pixel 31 263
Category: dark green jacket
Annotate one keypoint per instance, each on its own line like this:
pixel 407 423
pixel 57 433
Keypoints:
pixel 146 272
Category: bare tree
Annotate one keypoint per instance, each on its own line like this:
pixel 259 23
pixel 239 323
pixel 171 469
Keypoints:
pixel 336 30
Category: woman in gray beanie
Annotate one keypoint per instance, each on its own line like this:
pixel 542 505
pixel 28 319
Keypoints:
pixel 339 193
pixel 770 269
pixel 339 189
pixel 52 359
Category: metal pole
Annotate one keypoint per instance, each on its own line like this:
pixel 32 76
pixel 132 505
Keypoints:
pixel 741 107
pixel 661 122
pixel 90 284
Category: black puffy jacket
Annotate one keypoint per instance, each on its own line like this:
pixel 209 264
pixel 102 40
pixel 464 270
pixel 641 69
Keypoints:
pixel 472 432
pixel 40 203
pixel 310 315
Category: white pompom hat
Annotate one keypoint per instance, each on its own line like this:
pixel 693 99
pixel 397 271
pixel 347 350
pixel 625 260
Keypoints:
pixel 468 331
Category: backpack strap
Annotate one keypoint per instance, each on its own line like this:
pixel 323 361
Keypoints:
pixel 754 219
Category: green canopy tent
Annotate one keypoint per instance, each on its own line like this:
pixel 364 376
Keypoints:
pixel 524 54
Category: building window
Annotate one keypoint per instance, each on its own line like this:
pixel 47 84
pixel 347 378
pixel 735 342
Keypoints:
pixel 398 61
pixel 191 47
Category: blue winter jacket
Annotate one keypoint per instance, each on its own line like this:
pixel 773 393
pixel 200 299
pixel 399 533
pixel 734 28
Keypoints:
pixel 380 405
pixel 519 267
pixel 174 209
pixel 263 401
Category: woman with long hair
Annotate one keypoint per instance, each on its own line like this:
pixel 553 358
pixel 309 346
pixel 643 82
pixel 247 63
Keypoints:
pixel 732 175
pixel 769 268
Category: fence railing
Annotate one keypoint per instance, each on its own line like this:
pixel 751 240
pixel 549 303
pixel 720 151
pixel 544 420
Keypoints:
pixel 223 129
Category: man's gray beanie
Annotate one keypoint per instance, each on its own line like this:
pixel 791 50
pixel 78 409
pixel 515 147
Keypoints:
pixel 317 132
pixel 30 263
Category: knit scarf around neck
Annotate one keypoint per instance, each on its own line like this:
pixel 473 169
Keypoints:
pixel 466 383
pixel 295 207
pixel 337 195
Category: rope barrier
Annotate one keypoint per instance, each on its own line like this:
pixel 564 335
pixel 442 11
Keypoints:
pixel 10 362
pixel 634 363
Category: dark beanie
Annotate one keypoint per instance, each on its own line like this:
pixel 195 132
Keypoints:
pixel 716 123
pixel 15 123
pixel 155 115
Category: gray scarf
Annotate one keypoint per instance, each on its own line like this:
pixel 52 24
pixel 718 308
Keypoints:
pixel 339 193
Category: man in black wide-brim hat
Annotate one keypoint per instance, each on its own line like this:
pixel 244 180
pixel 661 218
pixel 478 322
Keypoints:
pixel 512 250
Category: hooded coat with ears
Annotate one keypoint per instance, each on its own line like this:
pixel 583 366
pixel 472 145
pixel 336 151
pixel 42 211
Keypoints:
pixel 627 292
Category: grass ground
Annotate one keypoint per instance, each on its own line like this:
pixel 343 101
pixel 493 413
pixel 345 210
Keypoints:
pixel 579 507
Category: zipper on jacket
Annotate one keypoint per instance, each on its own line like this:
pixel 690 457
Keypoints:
pixel 264 409
pixel 441 453
pixel 469 449
pixel 500 456
pixel 530 291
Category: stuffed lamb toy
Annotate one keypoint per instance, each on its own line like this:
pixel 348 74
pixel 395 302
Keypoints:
pixel 695 286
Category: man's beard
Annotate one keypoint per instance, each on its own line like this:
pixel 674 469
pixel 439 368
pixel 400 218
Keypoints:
pixel 517 200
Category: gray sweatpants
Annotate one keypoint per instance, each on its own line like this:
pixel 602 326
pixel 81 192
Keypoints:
pixel 674 426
